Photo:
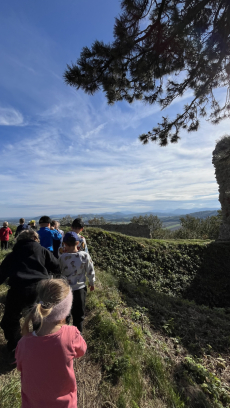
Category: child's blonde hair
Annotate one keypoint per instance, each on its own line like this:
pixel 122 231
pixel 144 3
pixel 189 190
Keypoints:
pixel 50 293
pixel 5 224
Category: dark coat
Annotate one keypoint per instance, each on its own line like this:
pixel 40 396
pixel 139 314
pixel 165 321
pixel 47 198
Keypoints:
pixel 27 264
pixel 21 228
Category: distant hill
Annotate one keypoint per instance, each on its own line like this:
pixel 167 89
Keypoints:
pixel 182 211
pixel 170 219
pixel 204 214
pixel 173 222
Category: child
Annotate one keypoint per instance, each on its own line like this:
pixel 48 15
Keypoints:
pixel 56 244
pixel 25 266
pixel 21 227
pixel 5 232
pixel 45 356
pixel 32 225
pixel 76 266
pixel 77 227
pixel 46 234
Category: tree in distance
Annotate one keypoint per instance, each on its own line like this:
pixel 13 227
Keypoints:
pixel 66 220
pixel 97 221
pixel 153 222
pixel 197 228
pixel 161 49
pixel 191 227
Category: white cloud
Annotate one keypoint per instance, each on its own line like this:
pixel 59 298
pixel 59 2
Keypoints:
pixel 65 172
pixel 80 155
pixel 10 117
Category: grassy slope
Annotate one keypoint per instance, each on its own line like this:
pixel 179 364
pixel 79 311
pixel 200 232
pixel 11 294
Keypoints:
pixel 194 269
pixel 146 351
pixel 146 348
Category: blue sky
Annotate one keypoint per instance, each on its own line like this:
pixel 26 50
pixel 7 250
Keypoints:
pixel 63 151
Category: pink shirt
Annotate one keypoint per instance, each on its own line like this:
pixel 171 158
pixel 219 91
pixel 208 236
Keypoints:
pixel 46 365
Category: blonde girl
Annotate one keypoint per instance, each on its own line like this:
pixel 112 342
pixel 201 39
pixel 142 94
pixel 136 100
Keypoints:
pixel 45 356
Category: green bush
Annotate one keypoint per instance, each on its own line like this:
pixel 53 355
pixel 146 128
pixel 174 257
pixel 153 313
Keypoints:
pixel 192 269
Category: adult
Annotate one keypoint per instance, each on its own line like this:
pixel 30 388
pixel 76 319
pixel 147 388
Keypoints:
pixel 22 226
pixel 25 266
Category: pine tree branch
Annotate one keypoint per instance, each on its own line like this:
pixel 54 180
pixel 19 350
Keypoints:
pixel 154 25
pixel 217 12
pixel 191 37
pixel 180 26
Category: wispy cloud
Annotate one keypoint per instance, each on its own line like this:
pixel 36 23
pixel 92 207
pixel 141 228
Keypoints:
pixel 64 171
pixel 77 154
pixel 10 117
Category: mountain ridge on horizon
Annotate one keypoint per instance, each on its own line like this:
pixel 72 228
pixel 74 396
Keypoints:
pixel 127 215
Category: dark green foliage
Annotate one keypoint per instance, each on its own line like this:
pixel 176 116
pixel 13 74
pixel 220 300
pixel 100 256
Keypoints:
pixel 194 270
pixel 66 220
pixel 97 221
pixel 161 49
pixel 197 228
pixel 153 222
pixel 210 384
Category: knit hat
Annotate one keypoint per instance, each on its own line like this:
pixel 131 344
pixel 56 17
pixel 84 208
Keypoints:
pixel 45 220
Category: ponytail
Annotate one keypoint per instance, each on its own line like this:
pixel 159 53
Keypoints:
pixel 36 314
pixel 50 293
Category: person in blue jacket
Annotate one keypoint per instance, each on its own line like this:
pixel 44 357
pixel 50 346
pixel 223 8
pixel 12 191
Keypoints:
pixel 47 235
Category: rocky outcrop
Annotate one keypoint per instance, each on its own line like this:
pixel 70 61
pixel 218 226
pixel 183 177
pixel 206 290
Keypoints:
pixel 221 162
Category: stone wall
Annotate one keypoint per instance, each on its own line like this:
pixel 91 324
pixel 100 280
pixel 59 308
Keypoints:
pixel 221 162
pixel 134 230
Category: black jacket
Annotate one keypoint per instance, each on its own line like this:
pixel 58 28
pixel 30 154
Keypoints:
pixel 27 264
pixel 21 228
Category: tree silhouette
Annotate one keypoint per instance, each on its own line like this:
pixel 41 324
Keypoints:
pixel 162 49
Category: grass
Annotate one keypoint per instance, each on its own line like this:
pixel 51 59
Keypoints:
pixel 143 341
pixel 146 349
pixel 116 338
pixel 10 393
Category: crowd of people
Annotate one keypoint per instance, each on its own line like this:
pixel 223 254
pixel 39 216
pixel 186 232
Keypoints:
pixel 46 272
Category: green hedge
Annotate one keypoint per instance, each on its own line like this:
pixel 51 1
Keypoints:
pixel 196 270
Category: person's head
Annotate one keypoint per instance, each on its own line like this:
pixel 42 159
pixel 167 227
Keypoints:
pixel 71 240
pixel 54 224
pixel 5 224
pixel 77 225
pixel 28 235
pixel 53 304
pixel 44 221
pixel 32 223
pixel 22 221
